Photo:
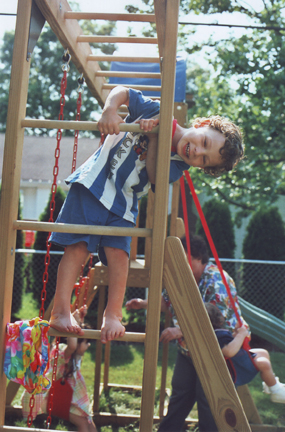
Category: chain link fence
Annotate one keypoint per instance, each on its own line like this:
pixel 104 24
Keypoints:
pixel 261 283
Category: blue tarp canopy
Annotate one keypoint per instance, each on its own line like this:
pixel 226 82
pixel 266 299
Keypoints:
pixel 180 80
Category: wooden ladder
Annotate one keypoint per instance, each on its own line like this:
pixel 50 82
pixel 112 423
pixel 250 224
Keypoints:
pixel 167 261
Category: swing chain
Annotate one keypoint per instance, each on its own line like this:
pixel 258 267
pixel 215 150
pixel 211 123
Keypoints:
pixel 53 191
pixel 54 370
pixel 31 406
pixel 78 116
pixel 66 59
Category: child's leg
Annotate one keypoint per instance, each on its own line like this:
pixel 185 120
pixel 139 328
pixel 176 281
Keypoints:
pixel 118 266
pixel 263 364
pixel 82 423
pixel 68 272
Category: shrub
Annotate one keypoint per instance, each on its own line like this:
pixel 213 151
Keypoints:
pixel 263 286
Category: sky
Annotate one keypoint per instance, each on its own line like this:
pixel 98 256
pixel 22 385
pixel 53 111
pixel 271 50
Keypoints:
pixel 8 22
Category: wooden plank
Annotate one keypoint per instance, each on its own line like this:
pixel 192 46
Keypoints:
pixel 112 58
pixel 160 17
pixel 135 86
pixel 80 229
pixel 249 407
pixel 201 341
pixel 160 212
pixel 96 335
pixel 153 75
pixel 67 32
pixel 110 16
pixel 99 348
pixel 11 175
pixel 116 39
pixel 75 125
pixel 138 278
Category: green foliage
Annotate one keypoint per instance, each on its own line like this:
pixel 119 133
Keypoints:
pixel 46 75
pixel 38 260
pixel 265 240
pixel 219 220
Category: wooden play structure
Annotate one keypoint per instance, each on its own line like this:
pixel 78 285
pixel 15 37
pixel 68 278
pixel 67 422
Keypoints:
pixel 165 262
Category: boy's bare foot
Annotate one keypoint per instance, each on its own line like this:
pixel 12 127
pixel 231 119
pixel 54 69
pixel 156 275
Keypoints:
pixel 65 323
pixel 111 327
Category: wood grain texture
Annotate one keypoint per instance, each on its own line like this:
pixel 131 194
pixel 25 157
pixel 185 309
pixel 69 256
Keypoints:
pixel 201 341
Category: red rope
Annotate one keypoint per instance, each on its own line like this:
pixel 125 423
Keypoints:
pixel 214 251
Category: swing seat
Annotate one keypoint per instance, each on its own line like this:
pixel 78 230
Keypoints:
pixel 62 397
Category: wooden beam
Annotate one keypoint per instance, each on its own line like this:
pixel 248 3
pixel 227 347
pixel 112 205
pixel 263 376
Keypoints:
pixel 110 16
pixel 153 75
pixel 117 39
pixel 11 176
pixel 248 404
pixel 96 335
pixel 80 229
pixel 76 125
pixel 112 58
pixel 201 340
pixel 67 32
pixel 138 278
pixel 160 213
pixel 135 86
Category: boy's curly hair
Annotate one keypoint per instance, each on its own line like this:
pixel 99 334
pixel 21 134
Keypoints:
pixel 216 317
pixel 232 151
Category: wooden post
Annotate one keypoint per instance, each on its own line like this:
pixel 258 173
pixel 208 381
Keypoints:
pixel 11 175
pixel 98 358
pixel 170 8
pixel 201 341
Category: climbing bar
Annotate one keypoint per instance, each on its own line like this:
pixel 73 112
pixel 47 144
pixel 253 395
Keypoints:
pixel 110 16
pixel 81 229
pixel 96 334
pixel 78 125
pixel 116 39
pixel 154 75
pixel 111 58
pixel 134 86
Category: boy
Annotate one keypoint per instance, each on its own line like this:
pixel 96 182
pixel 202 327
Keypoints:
pixel 106 188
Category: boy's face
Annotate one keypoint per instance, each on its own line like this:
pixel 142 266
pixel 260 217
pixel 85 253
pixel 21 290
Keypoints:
pixel 200 147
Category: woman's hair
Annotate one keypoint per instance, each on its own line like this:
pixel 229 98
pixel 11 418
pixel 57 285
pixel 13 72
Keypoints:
pixel 216 317
pixel 233 149
pixel 198 248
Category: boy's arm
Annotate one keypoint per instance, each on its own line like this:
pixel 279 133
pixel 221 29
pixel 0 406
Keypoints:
pixel 235 345
pixel 138 303
pixel 147 125
pixel 109 121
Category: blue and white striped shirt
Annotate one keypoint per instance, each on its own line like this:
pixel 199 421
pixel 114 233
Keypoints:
pixel 116 173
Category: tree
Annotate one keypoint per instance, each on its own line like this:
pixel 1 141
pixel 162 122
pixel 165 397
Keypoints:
pixel 38 260
pixel 45 78
pixel 263 285
pixel 219 220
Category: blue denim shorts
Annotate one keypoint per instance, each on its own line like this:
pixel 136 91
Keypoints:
pixel 81 207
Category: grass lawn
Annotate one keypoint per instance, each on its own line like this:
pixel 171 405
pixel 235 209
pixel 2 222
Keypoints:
pixel 126 368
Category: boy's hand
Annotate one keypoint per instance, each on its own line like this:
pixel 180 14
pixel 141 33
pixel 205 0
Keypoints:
pixel 135 303
pixel 148 124
pixel 243 330
pixel 169 334
pixel 109 122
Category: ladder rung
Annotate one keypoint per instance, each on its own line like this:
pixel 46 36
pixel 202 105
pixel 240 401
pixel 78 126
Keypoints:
pixel 134 86
pixel 96 334
pixel 116 39
pixel 123 74
pixel 111 58
pixel 81 229
pixel 110 16
pixel 78 125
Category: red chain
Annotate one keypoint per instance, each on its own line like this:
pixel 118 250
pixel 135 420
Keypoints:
pixel 31 406
pixel 76 133
pixel 51 391
pixel 87 279
pixel 53 191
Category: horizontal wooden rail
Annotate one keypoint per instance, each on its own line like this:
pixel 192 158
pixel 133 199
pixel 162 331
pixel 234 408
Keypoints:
pixel 110 16
pixel 111 58
pixel 96 334
pixel 77 125
pixel 134 86
pixel 116 39
pixel 81 229
pixel 123 74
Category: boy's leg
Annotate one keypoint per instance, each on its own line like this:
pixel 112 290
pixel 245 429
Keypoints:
pixel 68 271
pixel 118 266
pixel 263 364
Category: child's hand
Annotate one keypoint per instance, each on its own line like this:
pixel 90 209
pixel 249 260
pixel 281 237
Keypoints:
pixel 170 333
pixel 109 122
pixel 243 331
pixel 135 303
pixel 79 314
pixel 148 124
